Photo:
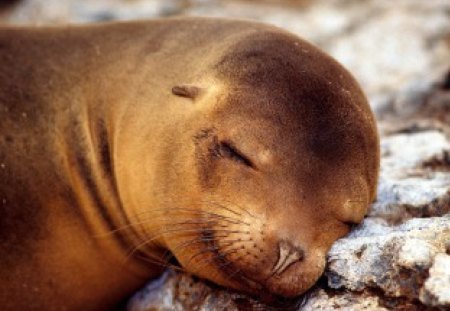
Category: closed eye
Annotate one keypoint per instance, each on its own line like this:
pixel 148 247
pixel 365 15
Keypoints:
pixel 229 151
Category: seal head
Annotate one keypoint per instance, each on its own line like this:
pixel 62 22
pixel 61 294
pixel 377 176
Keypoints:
pixel 280 159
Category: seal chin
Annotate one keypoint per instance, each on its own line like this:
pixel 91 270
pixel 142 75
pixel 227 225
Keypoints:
pixel 290 276
pixel 293 282
pixel 256 261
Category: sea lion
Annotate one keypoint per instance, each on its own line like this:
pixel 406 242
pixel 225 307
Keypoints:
pixel 236 147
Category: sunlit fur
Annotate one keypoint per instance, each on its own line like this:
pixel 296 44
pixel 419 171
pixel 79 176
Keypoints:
pixel 235 148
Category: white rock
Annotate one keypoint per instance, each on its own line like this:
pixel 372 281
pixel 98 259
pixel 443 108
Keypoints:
pixel 436 290
pixel 416 252
pixel 402 153
pixel 404 183
pixel 345 302
pixel 395 262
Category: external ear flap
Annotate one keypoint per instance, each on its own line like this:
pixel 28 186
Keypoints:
pixel 186 90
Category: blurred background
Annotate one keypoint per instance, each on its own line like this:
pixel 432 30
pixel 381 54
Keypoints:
pixel 398 50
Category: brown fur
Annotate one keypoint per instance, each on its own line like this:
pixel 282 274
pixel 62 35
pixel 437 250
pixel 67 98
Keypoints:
pixel 224 142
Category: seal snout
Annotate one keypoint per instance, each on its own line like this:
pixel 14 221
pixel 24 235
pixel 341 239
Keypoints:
pixel 288 255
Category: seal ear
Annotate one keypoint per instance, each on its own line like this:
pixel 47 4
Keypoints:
pixel 186 90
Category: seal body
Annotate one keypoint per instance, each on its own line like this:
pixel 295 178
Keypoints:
pixel 235 147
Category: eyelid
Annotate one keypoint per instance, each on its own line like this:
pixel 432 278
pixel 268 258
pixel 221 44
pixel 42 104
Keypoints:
pixel 232 152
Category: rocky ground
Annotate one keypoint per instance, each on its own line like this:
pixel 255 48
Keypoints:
pixel 399 257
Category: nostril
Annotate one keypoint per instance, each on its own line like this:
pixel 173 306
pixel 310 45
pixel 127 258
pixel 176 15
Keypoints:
pixel 287 246
pixel 299 252
pixel 288 254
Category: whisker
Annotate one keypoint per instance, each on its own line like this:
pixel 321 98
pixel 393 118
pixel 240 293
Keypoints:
pixel 231 276
pixel 214 239
pixel 215 256
pixel 188 243
pixel 196 222
pixel 216 217
pixel 198 212
pixel 150 258
pixel 206 261
pixel 164 264
pixel 201 252
pixel 171 231
pixel 238 206
pixel 185 244
pixel 237 270
pixel 222 266
pixel 154 237
pixel 203 240
pixel 223 207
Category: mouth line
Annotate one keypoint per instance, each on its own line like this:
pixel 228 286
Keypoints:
pixel 236 276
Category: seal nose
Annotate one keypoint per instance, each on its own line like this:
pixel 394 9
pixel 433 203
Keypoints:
pixel 288 254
